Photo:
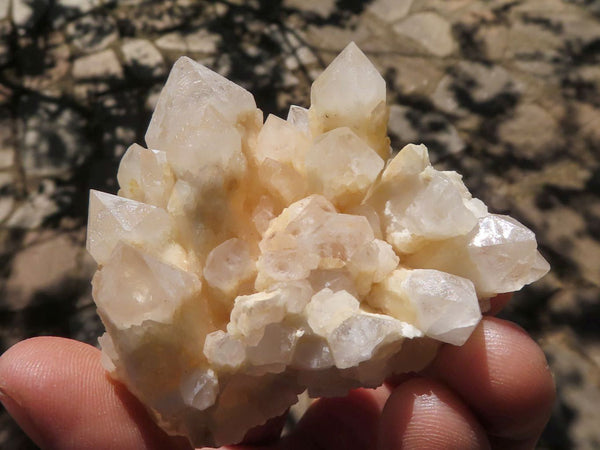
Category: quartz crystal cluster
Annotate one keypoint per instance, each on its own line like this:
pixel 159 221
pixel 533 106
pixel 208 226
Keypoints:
pixel 244 262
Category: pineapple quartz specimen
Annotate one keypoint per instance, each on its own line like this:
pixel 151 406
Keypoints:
pixel 244 262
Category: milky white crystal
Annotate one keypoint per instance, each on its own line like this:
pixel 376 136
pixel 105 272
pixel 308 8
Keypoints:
pixel 243 262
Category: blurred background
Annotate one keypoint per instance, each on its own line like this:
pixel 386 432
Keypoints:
pixel 506 92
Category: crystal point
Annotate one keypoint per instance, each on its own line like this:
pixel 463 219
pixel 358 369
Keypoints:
pixel 349 85
pixel 190 89
pixel 351 93
pixel 113 219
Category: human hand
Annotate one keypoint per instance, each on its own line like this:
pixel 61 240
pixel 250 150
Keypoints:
pixel 495 391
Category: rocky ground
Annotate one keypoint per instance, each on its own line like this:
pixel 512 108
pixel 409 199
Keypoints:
pixel 507 92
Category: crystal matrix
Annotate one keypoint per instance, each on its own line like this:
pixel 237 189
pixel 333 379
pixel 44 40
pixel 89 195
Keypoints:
pixel 243 263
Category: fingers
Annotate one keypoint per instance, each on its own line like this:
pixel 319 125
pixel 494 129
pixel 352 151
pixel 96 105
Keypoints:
pixel 422 413
pixel 497 383
pixel 350 422
pixel 502 374
pixel 60 395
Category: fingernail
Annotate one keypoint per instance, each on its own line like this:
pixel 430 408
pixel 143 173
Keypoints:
pixel 18 413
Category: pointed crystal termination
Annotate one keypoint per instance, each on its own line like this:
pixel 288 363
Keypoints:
pixel 418 204
pixel 279 158
pixel 298 116
pixel 244 263
pixel 351 93
pixel 189 90
pixel 113 219
pixel 444 306
pixel 499 255
pixel 342 177
pixel 157 288
pixel 146 176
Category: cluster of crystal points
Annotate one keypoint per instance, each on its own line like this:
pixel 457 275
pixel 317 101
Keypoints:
pixel 243 263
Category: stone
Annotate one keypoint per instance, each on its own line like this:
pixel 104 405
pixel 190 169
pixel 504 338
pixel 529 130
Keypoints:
pixel 7 179
pixel 416 75
pixel 92 33
pixel 199 42
pixel 529 131
pixel 323 8
pixel 36 208
pixel 6 207
pixel 50 137
pixel 528 41
pixel 390 10
pixel 430 30
pixel 202 42
pixel 98 66
pixel 26 13
pixel 65 11
pixel 50 260
pixel 7 158
pixel 485 82
pixel 407 125
pixel 494 40
pixel 244 263
pixel 4 5
pixel 143 58
pixel 79 6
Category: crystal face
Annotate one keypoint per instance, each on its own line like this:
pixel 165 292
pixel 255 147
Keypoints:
pixel 244 262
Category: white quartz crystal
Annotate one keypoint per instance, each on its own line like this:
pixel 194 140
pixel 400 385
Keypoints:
pixel 114 219
pixel 342 177
pixel 146 176
pixel 243 263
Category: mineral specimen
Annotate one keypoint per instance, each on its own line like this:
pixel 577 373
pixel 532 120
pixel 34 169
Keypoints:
pixel 243 263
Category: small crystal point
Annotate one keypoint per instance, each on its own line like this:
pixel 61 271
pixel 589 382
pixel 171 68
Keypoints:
pixel 155 290
pixel 146 176
pixel 113 219
pixel 342 177
pixel 350 85
pixel 446 305
pixel 298 116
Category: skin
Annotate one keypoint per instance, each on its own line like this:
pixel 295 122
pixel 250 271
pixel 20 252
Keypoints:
pixel 496 391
